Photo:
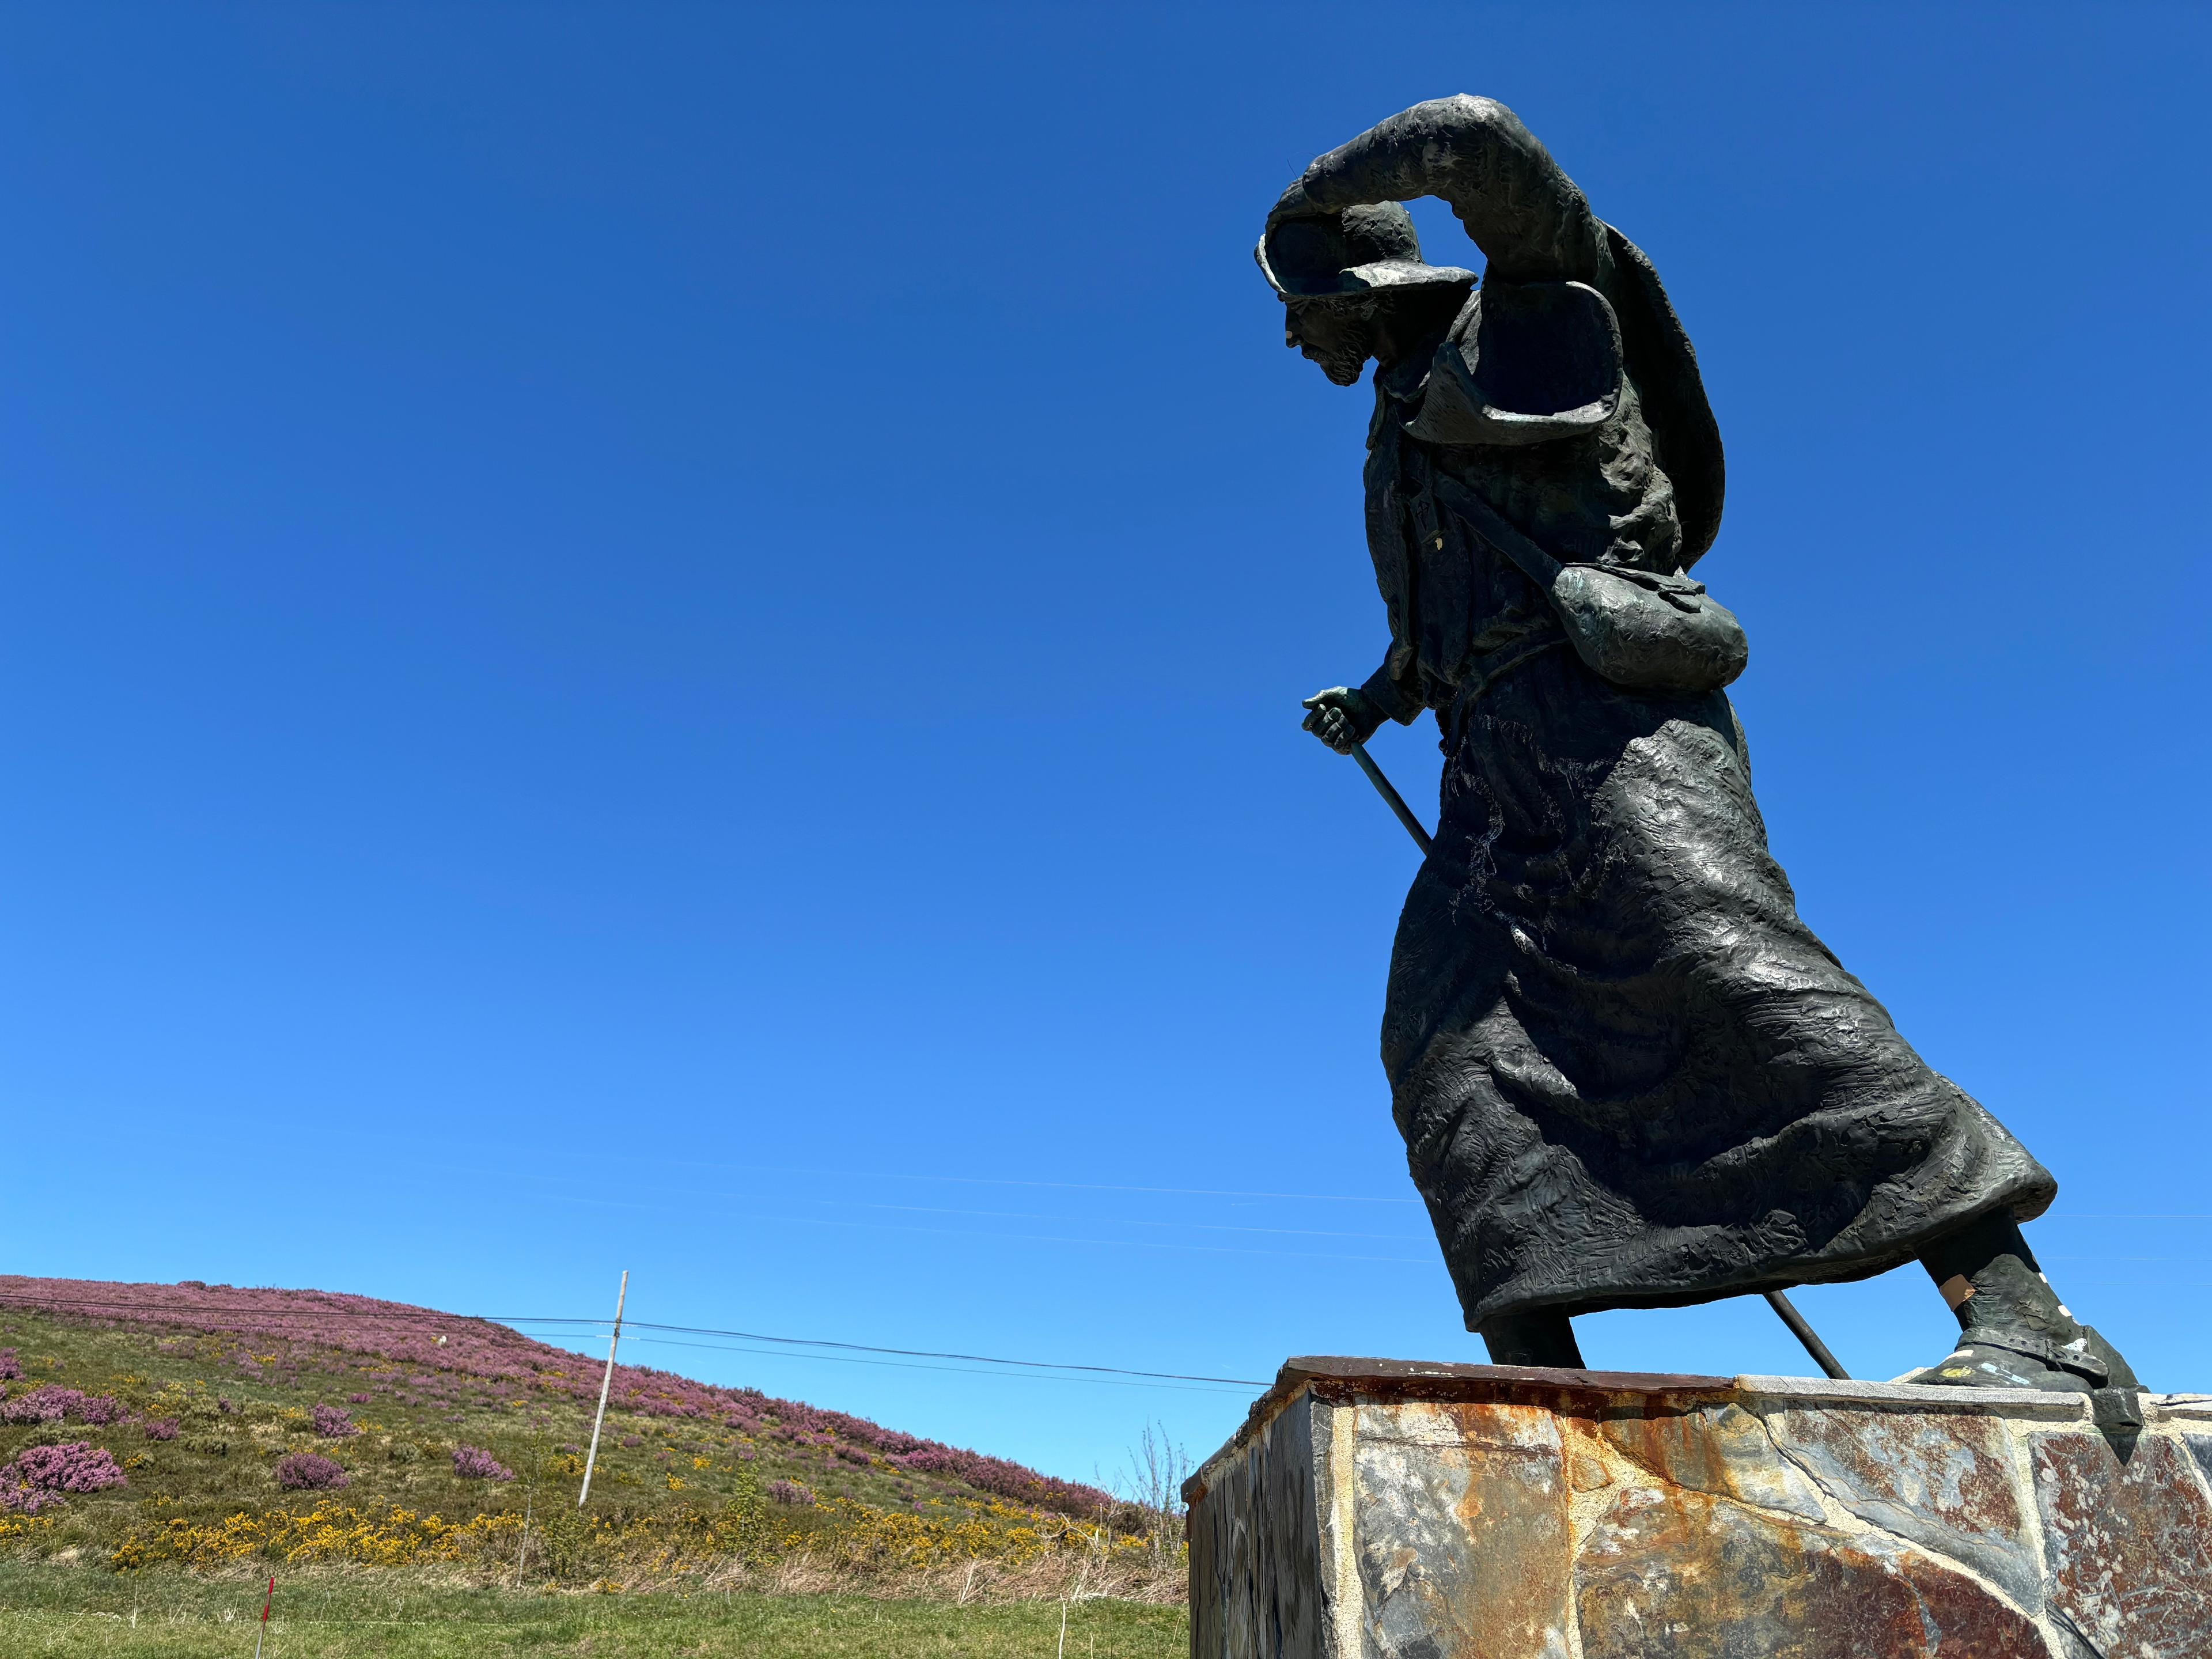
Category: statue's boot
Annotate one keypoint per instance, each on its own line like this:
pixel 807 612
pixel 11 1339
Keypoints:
pixel 2014 1332
pixel 2006 1357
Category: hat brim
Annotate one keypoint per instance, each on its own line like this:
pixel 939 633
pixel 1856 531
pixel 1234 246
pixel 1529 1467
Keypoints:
pixel 1383 274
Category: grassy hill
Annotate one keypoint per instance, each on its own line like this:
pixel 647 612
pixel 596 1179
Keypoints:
pixel 175 1436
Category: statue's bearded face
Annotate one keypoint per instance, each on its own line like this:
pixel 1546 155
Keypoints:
pixel 1337 334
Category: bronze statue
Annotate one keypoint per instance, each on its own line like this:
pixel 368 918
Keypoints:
pixel 1627 1074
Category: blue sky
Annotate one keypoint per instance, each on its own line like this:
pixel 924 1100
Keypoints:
pixel 670 638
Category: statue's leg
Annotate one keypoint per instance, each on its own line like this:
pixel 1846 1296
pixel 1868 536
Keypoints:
pixel 1545 1337
pixel 2013 1331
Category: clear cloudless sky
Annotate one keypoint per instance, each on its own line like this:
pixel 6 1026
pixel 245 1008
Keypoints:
pixel 669 637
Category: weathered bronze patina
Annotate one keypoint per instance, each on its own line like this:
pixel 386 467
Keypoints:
pixel 1628 1074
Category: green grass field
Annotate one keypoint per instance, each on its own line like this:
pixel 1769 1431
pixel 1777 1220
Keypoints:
pixel 48 1609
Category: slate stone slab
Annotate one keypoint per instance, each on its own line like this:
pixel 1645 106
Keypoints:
pixel 1374 1510
pixel 1947 1482
pixel 1461 1525
pixel 1259 1541
pixel 1723 1450
pixel 2129 1544
pixel 1677 1575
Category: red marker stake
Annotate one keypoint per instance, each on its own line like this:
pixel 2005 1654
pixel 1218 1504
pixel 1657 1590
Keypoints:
pixel 265 1600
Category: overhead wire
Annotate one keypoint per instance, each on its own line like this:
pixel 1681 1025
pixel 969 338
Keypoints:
pixel 930 1354
pixel 1003 1180
pixel 1025 1238
pixel 514 1322
pixel 1003 1215
pixel 956 1370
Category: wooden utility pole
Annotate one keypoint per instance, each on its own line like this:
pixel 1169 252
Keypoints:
pixel 606 1383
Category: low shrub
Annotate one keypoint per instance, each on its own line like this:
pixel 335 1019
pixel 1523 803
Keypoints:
pixel 333 1422
pixel 475 1463
pixel 49 1404
pixel 160 1428
pixel 308 1472
pixel 40 1474
pixel 11 1369
pixel 788 1492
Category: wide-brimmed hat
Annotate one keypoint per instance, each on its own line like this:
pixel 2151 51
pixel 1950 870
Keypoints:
pixel 1362 250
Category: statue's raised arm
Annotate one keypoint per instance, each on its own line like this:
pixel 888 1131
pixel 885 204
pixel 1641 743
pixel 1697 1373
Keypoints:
pixel 1529 218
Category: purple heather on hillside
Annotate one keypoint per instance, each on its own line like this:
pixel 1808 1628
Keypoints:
pixel 333 1422
pixel 53 1402
pixel 475 1463
pixel 10 1367
pixel 309 1471
pixel 40 1474
pixel 49 1404
pixel 474 1348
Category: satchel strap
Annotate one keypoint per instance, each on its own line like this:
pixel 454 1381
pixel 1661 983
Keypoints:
pixel 1539 567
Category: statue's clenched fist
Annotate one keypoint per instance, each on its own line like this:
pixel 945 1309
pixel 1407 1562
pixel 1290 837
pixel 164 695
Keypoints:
pixel 1341 717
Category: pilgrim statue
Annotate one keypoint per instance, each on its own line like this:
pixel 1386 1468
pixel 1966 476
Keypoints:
pixel 1628 1075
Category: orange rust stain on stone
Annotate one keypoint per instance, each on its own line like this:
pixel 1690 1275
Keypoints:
pixel 1725 1451
pixel 1668 1573
pixel 1587 1473
pixel 1493 1581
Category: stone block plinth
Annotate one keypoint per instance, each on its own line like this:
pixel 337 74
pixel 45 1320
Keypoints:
pixel 1378 1510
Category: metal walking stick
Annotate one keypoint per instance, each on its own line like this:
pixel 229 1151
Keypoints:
pixel 1783 1308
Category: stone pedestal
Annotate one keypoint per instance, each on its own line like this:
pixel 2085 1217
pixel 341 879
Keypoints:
pixel 1370 1509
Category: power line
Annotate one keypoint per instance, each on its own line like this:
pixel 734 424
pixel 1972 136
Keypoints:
pixel 1001 1215
pixel 513 1321
pixel 996 1180
pixel 928 1353
pixel 1020 1238
pixel 955 1370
